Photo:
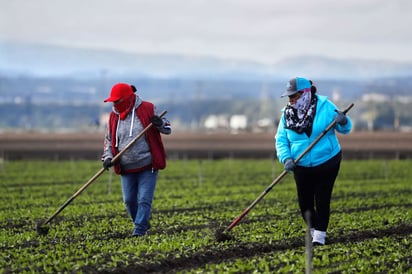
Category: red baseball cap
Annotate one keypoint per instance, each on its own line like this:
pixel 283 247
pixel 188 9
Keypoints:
pixel 120 90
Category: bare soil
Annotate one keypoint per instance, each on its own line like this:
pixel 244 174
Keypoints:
pixel 63 146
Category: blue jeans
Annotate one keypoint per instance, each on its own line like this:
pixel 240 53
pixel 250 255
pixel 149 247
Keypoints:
pixel 138 191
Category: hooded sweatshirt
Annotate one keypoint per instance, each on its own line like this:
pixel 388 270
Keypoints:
pixel 148 151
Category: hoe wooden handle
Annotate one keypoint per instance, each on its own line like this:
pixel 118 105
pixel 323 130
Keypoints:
pixel 284 172
pixel 100 172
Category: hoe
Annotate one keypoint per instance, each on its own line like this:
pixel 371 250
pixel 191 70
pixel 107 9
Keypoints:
pixel 223 235
pixel 41 227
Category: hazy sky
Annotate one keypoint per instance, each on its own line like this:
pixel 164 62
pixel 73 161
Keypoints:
pixel 259 30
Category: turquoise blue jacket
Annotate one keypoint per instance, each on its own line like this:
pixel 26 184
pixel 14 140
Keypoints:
pixel 290 144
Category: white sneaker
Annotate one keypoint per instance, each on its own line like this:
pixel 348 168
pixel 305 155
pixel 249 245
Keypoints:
pixel 318 237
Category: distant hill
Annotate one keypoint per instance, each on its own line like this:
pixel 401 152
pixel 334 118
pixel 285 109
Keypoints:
pixel 43 60
pixel 56 61
pixel 329 68
pixel 49 87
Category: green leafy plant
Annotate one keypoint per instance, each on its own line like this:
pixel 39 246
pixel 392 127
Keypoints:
pixel 370 226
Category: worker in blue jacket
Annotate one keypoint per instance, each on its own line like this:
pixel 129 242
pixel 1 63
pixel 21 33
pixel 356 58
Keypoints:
pixel 304 118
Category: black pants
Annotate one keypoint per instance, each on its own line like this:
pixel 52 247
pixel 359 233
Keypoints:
pixel 314 188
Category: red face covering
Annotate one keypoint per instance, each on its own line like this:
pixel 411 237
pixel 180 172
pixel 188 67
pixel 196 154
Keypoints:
pixel 125 106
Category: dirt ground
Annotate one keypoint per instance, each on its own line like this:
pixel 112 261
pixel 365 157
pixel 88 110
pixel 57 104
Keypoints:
pixel 61 146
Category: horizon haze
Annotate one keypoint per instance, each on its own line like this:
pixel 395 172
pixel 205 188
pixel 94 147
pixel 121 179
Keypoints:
pixel 260 31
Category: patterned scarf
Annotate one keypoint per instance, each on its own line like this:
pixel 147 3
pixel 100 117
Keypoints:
pixel 124 107
pixel 299 115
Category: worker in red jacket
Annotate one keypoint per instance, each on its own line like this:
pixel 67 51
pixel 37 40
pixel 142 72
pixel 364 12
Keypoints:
pixel 138 166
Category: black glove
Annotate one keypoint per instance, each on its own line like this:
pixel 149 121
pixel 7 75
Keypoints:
pixel 289 164
pixel 107 163
pixel 341 118
pixel 156 121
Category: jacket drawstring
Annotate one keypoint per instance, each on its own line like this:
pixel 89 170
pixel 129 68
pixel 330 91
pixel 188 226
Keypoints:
pixel 131 128
pixel 131 124
pixel 117 132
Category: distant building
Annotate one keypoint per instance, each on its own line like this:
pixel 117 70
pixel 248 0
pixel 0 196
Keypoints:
pixel 336 95
pixel 103 120
pixel 375 97
pixel 264 125
pixel 238 123
pixel 215 122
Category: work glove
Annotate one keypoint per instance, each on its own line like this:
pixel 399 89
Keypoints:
pixel 156 121
pixel 341 118
pixel 107 163
pixel 289 165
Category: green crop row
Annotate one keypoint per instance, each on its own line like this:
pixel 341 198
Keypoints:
pixel 370 228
